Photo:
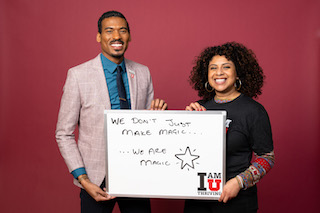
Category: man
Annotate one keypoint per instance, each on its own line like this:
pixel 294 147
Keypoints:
pixel 108 81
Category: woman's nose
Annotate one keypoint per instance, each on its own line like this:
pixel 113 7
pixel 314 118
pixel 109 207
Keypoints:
pixel 219 71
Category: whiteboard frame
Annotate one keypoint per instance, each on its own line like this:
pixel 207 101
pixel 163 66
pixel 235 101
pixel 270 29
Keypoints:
pixel 133 112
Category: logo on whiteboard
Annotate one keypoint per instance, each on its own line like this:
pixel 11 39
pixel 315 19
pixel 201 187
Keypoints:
pixel 187 158
pixel 210 183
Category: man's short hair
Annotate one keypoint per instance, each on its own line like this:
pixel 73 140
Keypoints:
pixel 111 14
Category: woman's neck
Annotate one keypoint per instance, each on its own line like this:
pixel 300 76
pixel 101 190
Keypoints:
pixel 226 97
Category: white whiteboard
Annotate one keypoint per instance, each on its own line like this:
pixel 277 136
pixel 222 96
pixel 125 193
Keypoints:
pixel 165 154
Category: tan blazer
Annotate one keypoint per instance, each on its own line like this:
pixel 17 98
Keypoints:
pixel 85 97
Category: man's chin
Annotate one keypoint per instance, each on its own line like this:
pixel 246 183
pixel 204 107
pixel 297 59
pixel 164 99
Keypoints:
pixel 119 55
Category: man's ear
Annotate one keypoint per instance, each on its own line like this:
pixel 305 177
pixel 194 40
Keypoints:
pixel 98 37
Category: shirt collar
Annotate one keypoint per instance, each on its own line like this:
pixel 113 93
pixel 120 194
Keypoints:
pixel 111 66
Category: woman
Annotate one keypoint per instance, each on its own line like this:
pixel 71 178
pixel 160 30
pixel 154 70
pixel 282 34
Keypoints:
pixel 227 77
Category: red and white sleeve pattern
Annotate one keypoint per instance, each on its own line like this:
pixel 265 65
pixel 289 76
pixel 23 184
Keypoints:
pixel 259 168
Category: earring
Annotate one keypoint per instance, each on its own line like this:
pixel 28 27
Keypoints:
pixel 206 87
pixel 240 84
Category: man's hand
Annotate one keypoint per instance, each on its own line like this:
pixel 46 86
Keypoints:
pixel 230 190
pixel 195 107
pixel 95 191
pixel 158 104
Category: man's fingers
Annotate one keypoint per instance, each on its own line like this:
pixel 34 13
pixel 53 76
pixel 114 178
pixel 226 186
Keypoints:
pixel 152 105
pixel 165 106
pixel 158 104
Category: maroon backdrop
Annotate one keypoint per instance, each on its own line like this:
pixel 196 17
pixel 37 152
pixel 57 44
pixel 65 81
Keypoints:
pixel 40 40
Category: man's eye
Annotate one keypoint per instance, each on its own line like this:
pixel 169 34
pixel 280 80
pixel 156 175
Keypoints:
pixel 123 31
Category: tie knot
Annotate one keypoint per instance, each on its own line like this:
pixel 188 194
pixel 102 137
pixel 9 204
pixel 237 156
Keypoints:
pixel 119 69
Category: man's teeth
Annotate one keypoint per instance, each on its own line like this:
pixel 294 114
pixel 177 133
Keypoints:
pixel 220 80
pixel 116 45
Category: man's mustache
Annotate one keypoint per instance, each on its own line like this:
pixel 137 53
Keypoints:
pixel 118 40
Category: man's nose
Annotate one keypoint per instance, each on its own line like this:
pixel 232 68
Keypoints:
pixel 116 35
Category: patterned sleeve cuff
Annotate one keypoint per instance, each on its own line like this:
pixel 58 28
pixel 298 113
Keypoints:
pixel 259 168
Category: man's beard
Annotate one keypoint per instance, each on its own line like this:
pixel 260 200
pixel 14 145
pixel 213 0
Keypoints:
pixel 117 56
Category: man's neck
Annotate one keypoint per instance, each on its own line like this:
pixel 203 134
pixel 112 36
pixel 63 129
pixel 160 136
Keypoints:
pixel 116 60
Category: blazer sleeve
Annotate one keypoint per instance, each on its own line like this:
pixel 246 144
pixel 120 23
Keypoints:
pixel 67 121
pixel 150 92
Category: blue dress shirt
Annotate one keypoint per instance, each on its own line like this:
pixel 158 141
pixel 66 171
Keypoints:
pixel 110 73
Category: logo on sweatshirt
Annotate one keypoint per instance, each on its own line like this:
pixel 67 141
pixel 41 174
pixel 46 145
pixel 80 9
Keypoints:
pixel 228 122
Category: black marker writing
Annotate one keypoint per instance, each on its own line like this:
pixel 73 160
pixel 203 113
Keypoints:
pixel 182 124
pixel 143 121
pixel 172 132
pixel 117 121
pixel 157 151
pixel 136 132
pixel 138 152
pixel 154 162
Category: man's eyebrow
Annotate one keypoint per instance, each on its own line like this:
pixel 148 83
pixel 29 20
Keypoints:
pixel 111 28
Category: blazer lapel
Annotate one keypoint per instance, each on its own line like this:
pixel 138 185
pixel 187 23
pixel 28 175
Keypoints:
pixel 103 92
pixel 132 79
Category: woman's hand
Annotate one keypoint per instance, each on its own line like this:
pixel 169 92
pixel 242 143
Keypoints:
pixel 230 190
pixel 195 107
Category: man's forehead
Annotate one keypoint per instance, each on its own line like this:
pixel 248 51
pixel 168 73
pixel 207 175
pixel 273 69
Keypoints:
pixel 114 21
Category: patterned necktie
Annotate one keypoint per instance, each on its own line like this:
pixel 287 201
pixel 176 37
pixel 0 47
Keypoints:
pixel 121 90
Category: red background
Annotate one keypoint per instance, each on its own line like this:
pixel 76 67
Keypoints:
pixel 41 39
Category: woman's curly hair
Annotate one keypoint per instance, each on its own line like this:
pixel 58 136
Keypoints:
pixel 247 69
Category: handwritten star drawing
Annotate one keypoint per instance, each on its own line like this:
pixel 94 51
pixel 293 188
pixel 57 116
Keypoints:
pixel 187 158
